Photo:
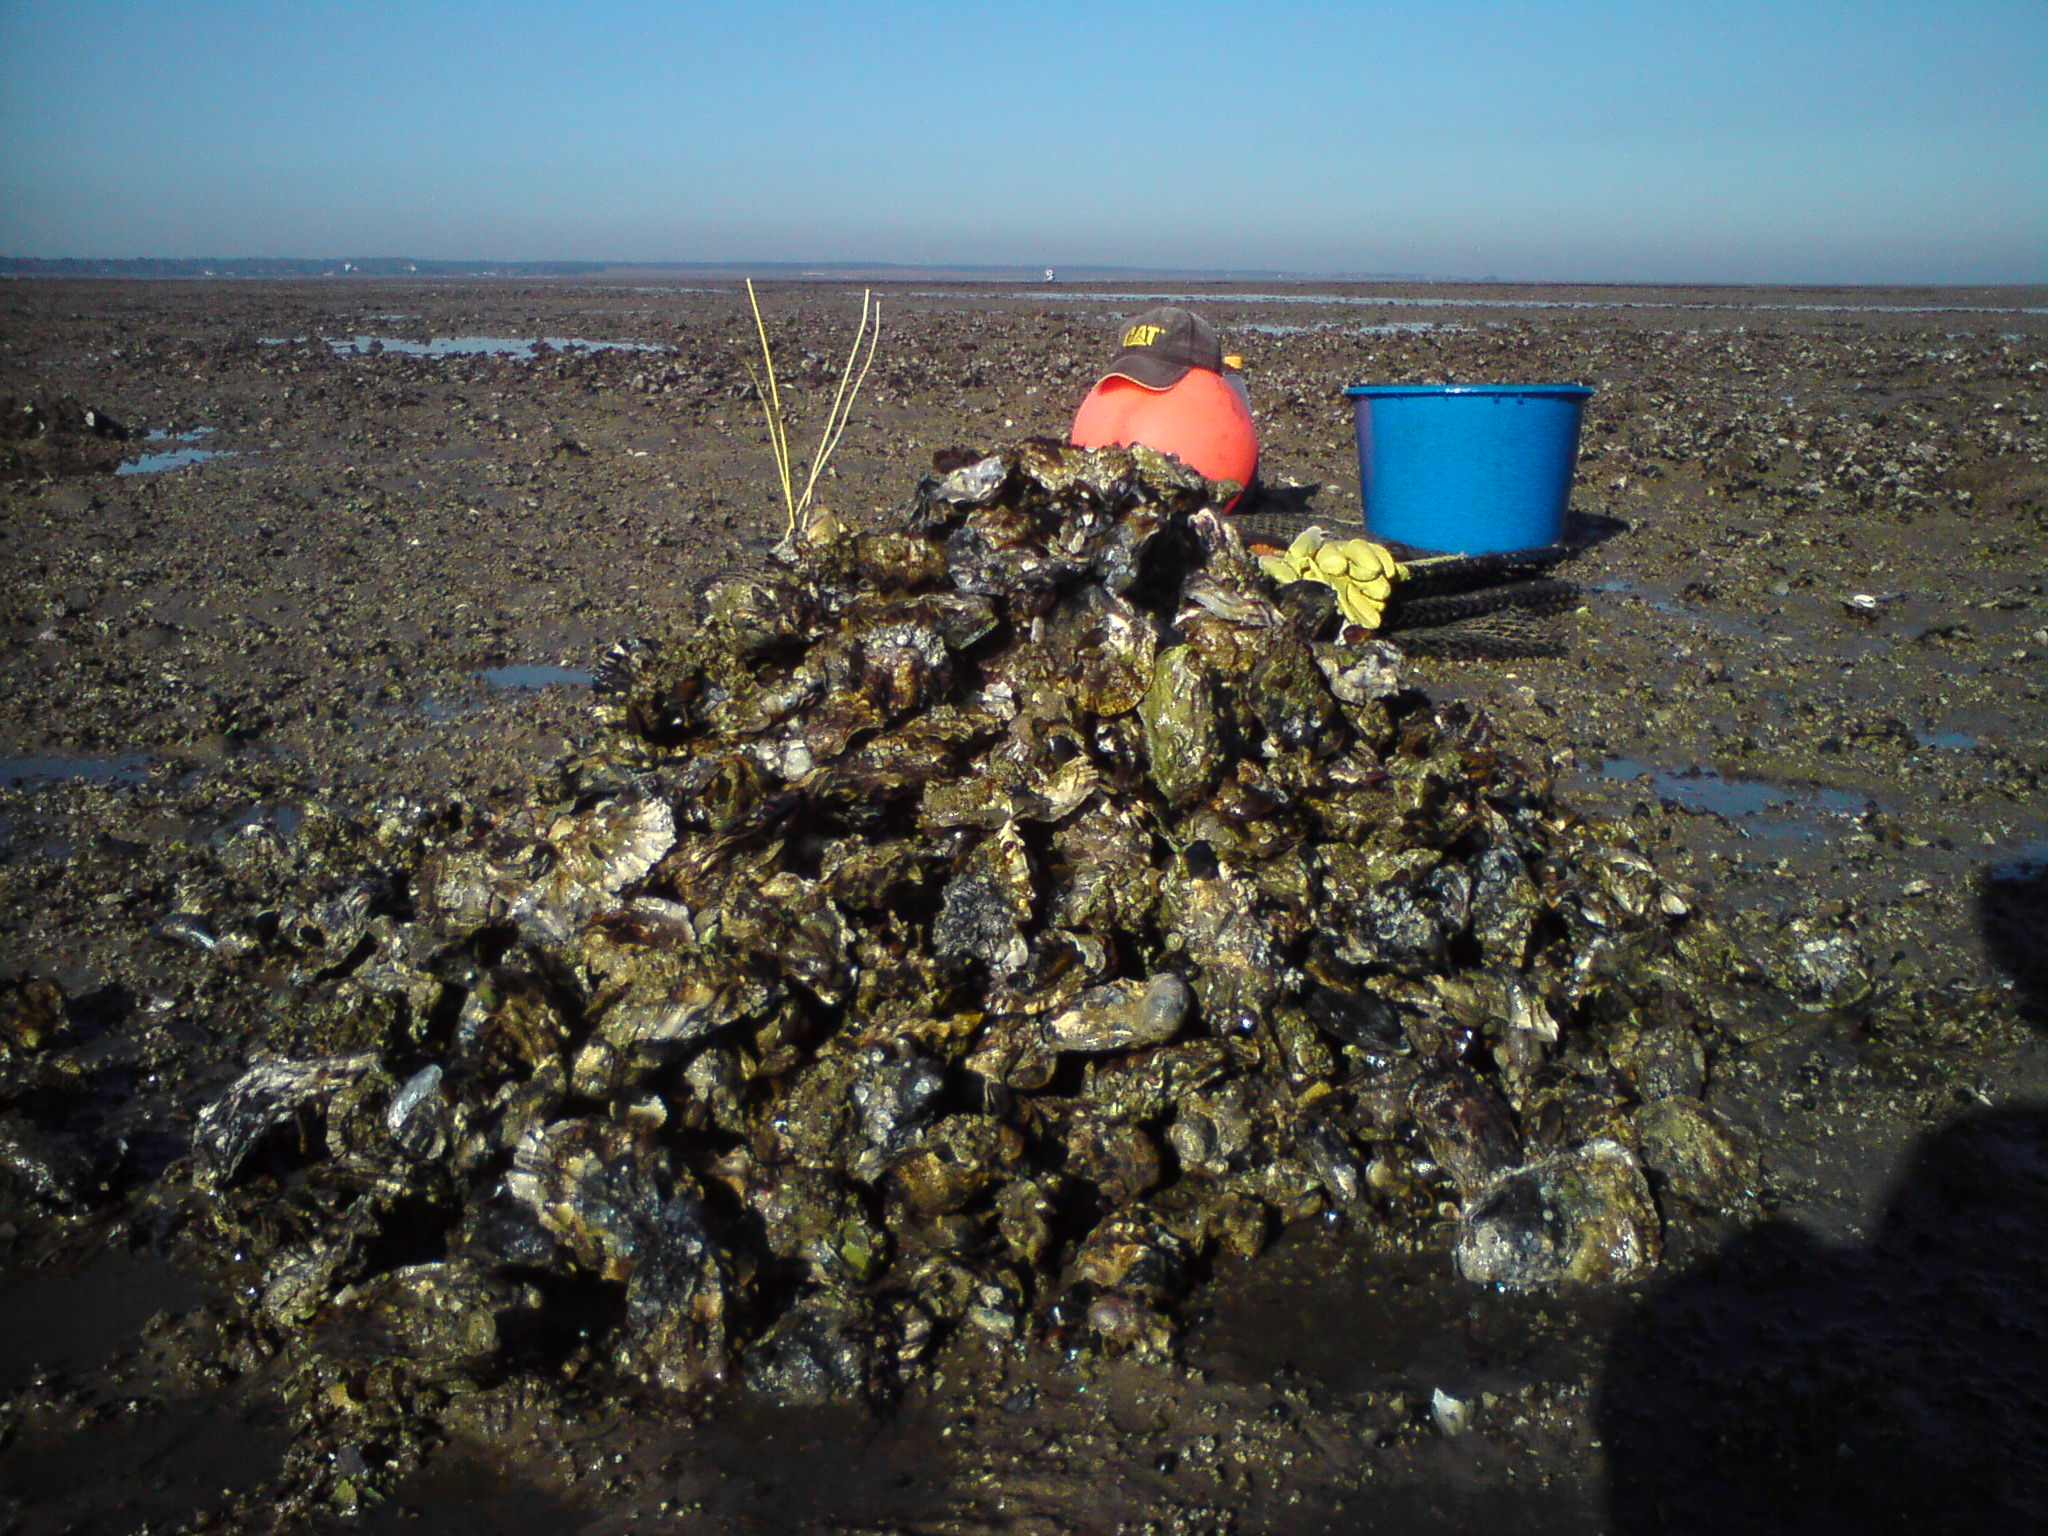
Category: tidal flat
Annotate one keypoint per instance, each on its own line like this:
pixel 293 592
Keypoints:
pixel 374 539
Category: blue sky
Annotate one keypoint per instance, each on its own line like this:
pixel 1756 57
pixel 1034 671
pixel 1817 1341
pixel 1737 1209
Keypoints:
pixel 1793 142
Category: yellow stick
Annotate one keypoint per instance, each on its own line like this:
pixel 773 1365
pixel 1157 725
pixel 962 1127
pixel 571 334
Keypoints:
pixel 771 407
pixel 832 415
pixel 874 340
pixel 843 401
pixel 771 398
pixel 836 419
pixel 774 444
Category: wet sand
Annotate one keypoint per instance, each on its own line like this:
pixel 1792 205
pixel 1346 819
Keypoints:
pixel 1810 674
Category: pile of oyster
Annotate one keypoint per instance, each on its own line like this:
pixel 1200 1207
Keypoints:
pixel 978 924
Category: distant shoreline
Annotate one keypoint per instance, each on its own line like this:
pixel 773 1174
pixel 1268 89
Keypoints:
pixel 407 266
pixel 369 269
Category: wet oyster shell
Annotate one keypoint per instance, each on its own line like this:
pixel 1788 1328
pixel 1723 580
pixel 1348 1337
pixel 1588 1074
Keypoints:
pixel 1184 742
pixel 31 1013
pixel 985 907
pixel 270 1093
pixel 1122 1015
pixel 827 1348
pixel 1582 1215
pixel 446 1316
pixel 1468 1127
pixel 1698 1154
pixel 611 1197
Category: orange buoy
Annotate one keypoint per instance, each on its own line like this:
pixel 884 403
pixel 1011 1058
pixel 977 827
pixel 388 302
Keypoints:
pixel 1167 390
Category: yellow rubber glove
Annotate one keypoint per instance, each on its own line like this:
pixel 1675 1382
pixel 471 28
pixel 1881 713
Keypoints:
pixel 1361 572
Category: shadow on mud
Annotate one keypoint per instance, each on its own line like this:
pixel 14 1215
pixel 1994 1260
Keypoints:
pixel 2012 915
pixel 1785 1385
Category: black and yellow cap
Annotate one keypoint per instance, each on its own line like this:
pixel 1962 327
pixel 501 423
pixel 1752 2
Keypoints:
pixel 1162 344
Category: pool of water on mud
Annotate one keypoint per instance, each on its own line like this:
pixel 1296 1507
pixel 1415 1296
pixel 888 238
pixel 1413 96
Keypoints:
pixel 172 458
pixel 61 768
pixel 481 346
pixel 1758 806
pixel 530 677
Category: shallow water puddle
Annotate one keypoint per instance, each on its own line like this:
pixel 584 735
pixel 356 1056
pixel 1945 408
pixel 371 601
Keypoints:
pixel 175 458
pixel 24 772
pixel 481 346
pixel 1704 790
pixel 1672 607
pixel 172 458
pixel 528 678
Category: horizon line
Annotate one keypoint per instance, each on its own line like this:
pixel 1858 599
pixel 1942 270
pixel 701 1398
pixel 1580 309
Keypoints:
pixel 242 267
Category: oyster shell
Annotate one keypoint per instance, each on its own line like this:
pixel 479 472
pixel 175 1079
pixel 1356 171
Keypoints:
pixel 447 1316
pixel 1214 918
pixel 606 1192
pixel 418 1118
pixel 985 907
pixel 48 1167
pixel 1121 1015
pixel 1184 742
pixel 31 1013
pixel 270 1093
pixel 1699 1155
pixel 597 854
pixel 827 1348
pixel 1581 1215
pixel 1470 1130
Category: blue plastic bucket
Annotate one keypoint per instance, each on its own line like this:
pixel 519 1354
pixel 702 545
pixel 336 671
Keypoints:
pixel 1467 468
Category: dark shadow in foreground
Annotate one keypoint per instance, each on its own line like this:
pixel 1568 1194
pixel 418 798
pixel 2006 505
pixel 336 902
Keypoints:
pixel 1784 1385
pixel 2012 916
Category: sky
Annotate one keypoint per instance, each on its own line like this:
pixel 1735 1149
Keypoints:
pixel 1797 141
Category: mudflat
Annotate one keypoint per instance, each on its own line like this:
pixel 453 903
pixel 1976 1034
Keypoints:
pixel 320 543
